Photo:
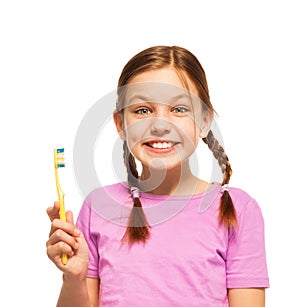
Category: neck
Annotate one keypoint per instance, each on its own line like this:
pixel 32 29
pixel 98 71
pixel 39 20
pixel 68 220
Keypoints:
pixel 179 181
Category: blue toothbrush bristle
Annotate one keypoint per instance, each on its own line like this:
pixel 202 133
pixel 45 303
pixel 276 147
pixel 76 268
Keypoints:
pixel 60 161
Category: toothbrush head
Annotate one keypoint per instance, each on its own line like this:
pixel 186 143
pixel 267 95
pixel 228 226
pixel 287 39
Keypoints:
pixel 59 159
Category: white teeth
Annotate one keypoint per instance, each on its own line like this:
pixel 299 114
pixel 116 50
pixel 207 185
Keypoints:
pixel 162 145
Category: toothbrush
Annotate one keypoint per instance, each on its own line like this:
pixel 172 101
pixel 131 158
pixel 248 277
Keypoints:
pixel 59 162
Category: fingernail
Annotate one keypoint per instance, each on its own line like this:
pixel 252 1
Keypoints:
pixel 77 232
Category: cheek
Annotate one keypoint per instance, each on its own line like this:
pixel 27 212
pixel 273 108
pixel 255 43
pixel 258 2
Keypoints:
pixel 189 127
pixel 136 131
pixel 190 133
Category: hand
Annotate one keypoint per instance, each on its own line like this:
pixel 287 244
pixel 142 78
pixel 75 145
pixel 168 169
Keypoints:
pixel 64 237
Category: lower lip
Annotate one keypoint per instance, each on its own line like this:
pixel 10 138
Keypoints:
pixel 160 150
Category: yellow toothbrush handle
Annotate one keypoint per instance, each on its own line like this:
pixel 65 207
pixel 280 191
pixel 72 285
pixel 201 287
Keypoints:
pixel 64 258
pixel 62 216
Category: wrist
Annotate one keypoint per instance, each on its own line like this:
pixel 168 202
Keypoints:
pixel 73 279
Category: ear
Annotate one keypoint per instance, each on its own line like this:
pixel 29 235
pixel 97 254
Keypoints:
pixel 119 122
pixel 207 118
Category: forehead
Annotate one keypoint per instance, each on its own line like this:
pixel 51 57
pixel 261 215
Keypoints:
pixel 168 76
pixel 156 92
pixel 163 86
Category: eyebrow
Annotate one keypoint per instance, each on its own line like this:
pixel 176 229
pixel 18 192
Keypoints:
pixel 145 98
pixel 138 96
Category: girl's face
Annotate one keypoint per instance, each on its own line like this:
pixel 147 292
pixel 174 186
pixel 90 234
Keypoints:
pixel 161 120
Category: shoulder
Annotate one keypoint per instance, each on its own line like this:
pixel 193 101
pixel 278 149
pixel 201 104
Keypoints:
pixel 109 192
pixel 108 202
pixel 249 214
pixel 242 201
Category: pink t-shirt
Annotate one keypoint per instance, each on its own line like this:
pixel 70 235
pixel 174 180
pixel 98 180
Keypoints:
pixel 189 259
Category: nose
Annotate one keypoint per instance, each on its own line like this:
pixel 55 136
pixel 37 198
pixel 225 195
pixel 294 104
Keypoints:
pixel 160 126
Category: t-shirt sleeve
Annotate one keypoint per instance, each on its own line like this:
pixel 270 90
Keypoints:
pixel 246 256
pixel 84 222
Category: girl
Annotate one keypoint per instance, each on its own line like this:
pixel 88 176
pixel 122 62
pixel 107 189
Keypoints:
pixel 165 237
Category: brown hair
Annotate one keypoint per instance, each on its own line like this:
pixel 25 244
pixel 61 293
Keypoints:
pixel 186 64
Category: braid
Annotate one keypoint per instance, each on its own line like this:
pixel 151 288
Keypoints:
pixel 138 227
pixel 132 174
pixel 227 214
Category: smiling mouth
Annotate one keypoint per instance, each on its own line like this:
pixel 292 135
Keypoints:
pixel 161 145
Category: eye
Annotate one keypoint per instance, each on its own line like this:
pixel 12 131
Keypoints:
pixel 142 111
pixel 180 109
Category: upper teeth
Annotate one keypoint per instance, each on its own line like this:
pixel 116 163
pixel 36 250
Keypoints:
pixel 162 145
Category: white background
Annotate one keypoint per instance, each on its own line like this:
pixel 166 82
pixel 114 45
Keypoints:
pixel 59 57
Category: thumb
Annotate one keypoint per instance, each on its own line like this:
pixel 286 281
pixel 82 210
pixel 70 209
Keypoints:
pixel 69 217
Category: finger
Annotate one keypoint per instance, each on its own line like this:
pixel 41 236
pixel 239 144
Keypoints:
pixel 53 212
pixel 59 236
pixel 64 226
pixel 69 216
pixel 54 251
pixel 70 219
